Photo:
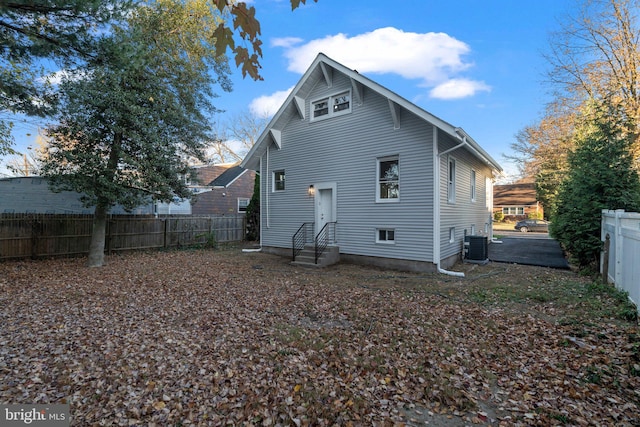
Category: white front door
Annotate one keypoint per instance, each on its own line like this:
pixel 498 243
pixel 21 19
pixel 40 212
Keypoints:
pixel 325 205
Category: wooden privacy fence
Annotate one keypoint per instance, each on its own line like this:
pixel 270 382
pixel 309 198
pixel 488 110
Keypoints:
pixel 50 235
pixel 620 264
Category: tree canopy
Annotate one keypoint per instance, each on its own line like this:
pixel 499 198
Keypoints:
pixel 600 176
pixel 62 31
pixel 68 31
pixel 132 118
pixel 594 55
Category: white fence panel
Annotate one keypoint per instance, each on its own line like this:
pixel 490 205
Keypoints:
pixel 623 229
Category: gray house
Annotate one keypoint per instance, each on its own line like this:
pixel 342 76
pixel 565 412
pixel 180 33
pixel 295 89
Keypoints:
pixel 349 164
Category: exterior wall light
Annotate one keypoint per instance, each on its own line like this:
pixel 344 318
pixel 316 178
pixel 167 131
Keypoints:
pixel 311 191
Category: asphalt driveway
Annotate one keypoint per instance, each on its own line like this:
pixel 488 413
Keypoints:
pixel 528 249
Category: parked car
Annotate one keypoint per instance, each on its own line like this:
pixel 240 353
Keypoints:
pixel 532 225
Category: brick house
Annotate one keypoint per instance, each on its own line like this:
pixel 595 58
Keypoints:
pixel 516 201
pixel 222 190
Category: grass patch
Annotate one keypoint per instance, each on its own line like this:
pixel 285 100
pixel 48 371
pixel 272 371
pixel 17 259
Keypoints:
pixel 580 301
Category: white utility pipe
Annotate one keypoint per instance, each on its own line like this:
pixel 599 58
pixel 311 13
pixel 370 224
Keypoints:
pixel 436 204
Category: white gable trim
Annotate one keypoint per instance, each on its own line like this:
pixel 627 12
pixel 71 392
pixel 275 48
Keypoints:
pixel 327 71
pixel 299 103
pixel 277 137
pixel 358 91
pixel 395 114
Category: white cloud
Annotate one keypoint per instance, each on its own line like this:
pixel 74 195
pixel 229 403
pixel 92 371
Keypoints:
pixel 286 42
pixel 429 57
pixel 458 88
pixel 267 105
pixel 435 60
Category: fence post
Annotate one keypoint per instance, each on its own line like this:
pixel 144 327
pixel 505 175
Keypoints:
pixel 618 241
pixel 108 236
pixel 244 228
pixel 34 237
pixel 605 259
pixel 164 242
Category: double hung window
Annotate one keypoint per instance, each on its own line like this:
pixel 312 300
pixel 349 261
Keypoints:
pixel 278 180
pixel 388 179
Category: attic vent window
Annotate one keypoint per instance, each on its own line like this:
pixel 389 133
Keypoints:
pixel 341 103
pixel 321 108
pixel 331 106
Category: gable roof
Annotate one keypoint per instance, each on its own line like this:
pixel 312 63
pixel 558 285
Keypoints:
pixel 208 173
pixel 322 68
pixel 227 177
pixel 514 194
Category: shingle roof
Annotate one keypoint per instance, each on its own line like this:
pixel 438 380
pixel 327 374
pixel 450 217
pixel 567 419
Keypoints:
pixel 227 177
pixel 206 174
pixel 514 194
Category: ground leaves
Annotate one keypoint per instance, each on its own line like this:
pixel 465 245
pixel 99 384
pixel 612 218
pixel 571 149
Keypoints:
pixel 228 338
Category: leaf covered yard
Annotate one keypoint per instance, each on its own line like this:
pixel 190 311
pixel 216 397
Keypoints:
pixel 230 338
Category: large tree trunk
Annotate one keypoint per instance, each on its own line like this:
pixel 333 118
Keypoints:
pixel 96 249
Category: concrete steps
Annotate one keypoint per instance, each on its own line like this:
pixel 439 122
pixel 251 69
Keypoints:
pixel 306 257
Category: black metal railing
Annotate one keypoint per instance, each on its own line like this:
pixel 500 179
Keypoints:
pixel 323 238
pixel 301 237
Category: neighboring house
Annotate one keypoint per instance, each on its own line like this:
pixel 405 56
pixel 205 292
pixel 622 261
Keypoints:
pixel 31 194
pixel 222 190
pixel 517 201
pixel 401 187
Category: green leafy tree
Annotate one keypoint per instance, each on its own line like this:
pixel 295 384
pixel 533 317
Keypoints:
pixel 129 121
pixel 63 31
pixel 253 212
pixel 601 176
pixel 67 32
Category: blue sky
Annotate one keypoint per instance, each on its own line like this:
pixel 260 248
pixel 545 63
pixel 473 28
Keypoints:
pixel 477 65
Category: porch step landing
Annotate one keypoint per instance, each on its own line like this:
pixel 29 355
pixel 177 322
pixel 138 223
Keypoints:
pixel 307 256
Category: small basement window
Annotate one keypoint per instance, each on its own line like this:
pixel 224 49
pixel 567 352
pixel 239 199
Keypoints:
pixel 385 235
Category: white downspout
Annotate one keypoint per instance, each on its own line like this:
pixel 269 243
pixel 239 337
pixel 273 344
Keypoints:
pixel 436 205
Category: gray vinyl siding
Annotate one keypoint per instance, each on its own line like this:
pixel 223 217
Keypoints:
pixel 344 150
pixel 463 213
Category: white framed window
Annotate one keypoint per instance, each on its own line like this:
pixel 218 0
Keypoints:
pixel 452 234
pixel 278 180
pixel 513 210
pixel 320 108
pixel 243 203
pixel 451 180
pixel 330 106
pixel 385 235
pixel 388 179
pixel 473 185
